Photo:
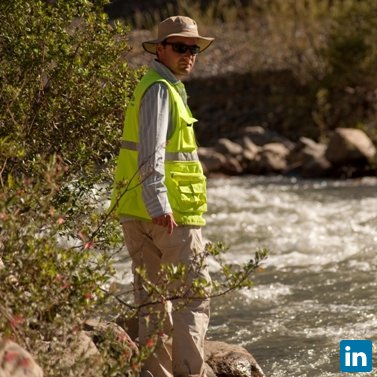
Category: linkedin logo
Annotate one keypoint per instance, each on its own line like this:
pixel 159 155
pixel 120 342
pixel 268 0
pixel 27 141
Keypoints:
pixel 356 356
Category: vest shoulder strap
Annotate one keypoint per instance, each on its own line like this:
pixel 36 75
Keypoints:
pixel 152 77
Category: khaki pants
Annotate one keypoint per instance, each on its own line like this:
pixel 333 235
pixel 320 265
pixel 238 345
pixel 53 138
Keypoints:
pixel 186 321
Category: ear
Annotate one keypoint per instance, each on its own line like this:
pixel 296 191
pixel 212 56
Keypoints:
pixel 159 48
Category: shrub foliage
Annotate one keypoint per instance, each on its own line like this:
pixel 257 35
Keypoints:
pixel 63 86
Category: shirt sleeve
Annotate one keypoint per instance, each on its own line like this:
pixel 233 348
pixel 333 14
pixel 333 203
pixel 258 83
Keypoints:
pixel 154 119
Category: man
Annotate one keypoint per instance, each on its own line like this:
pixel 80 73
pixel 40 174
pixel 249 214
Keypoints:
pixel 160 196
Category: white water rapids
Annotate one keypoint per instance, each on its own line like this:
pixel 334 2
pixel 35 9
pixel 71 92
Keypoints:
pixel 319 285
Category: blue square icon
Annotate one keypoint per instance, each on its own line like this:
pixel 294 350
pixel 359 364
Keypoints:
pixel 356 356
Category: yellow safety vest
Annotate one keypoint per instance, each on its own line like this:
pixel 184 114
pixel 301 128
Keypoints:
pixel 184 178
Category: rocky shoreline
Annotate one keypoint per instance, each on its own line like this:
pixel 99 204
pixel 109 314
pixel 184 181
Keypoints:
pixel 349 153
pixel 222 359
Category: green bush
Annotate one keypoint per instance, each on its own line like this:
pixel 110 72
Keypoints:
pixel 64 82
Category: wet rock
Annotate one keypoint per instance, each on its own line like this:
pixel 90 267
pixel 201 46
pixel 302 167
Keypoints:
pixel 349 145
pixel 228 360
pixel 16 361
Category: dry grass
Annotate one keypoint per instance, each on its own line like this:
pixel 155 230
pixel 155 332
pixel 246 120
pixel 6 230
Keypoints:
pixel 270 35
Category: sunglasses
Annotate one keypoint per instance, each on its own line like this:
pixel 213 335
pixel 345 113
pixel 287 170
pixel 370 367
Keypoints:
pixel 181 48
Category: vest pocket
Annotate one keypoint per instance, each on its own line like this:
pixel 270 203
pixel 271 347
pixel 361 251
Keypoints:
pixel 188 192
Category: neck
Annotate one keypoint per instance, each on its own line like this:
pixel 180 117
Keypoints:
pixel 176 75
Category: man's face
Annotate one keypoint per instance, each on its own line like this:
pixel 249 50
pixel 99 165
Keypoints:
pixel 180 63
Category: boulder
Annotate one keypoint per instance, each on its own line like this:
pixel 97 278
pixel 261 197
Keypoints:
pixel 260 151
pixel 249 148
pixel 253 165
pixel 276 148
pixel 227 161
pixel 308 158
pixel 82 349
pixel 78 350
pixel 228 147
pixel 16 361
pixel 100 331
pixel 273 157
pixel 75 353
pixel 250 156
pixel 349 145
pixel 211 160
pixel 316 167
pixel 232 166
pixel 261 136
pixel 304 151
pixel 228 360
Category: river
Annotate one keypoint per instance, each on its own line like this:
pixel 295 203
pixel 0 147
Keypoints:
pixel 319 284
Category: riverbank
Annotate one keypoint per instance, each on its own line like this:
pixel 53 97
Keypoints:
pixel 221 359
pixel 349 153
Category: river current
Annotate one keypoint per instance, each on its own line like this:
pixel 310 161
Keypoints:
pixel 319 284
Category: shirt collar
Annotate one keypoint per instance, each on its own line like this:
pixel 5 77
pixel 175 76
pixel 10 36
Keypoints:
pixel 168 75
pixel 164 71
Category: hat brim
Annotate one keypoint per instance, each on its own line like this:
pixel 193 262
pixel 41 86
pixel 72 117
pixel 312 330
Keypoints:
pixel 202 42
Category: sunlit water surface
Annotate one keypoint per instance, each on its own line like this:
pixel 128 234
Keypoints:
pixel 319 285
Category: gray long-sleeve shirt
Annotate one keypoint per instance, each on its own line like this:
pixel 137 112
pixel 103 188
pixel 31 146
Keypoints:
pixel 155 127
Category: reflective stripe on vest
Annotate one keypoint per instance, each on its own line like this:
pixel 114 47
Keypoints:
pixel 169 156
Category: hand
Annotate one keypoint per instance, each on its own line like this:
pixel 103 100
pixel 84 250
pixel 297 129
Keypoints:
pixel 166 220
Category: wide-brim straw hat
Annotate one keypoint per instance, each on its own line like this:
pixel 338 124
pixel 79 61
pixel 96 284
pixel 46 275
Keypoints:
pixel 177 26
